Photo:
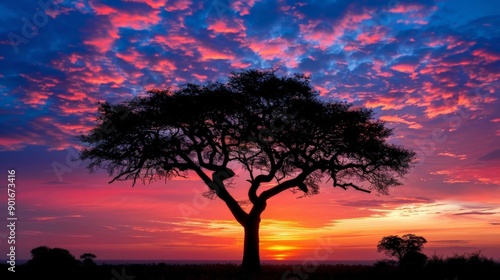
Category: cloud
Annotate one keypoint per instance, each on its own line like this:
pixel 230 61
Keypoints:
pixel 406 8
pixel 491 156
pixel 453 241
pixel 371 37
pixel 394 202
pixel 178 5
pixel 476 213
pixel 447 154
pixel 50 218
pixel 223 26
pixel 478 174
pixel 397 119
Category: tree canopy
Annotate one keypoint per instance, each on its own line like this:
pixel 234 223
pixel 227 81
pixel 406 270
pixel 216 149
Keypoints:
pixel 408 247
pixel 88 259
pixel 276 128
pixel 272 126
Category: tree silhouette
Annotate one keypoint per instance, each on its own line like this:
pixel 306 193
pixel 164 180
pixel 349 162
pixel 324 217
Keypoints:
pixel 276 128
pixel 52 263
pixel 45 256
pixel 88 259
pixel 407 249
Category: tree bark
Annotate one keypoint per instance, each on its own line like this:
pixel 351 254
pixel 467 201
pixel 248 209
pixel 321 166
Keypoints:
pixel 251 258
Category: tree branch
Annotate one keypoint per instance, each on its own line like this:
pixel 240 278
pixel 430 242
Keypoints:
pixel 346 185
pixel 252 191
pixel 295 182
pixel 216 184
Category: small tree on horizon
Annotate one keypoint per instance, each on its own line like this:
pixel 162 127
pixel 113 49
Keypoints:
pixel 407 249
pixel 276 129
pixel 88 259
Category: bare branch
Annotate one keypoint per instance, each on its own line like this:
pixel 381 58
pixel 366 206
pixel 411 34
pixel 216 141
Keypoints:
pixel 295 182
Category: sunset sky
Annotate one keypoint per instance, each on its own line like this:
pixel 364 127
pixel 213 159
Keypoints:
pixel 430 69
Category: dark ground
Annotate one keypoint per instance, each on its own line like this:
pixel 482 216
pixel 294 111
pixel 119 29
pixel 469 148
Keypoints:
pixel 459 269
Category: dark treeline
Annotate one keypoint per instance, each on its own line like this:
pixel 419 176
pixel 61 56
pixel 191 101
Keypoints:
pixel 56 263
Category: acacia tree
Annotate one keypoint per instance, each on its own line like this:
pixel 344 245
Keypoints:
pixel 406 248
pixel 88 259
pixel 276 128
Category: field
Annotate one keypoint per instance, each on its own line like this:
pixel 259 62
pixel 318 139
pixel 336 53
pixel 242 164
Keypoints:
pixel 458 267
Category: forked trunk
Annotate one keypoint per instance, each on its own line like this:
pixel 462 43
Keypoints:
pixel 251 259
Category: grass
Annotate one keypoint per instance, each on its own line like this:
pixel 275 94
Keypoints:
pixel 459 267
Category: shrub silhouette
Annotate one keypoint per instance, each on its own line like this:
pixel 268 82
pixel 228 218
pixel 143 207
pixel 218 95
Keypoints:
pixel 52 263
pixel 463 266
pixel 413 259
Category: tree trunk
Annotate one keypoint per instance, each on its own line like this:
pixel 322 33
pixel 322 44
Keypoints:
pixel 251 259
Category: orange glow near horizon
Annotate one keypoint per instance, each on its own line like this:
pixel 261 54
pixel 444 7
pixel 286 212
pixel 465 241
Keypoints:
pixel 341 224
pixel 336 222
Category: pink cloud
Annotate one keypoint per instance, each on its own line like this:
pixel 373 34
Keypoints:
pixel 211 54
pixel 436 110
pixel 160 64
pixel 135 21
pixel 176 42
pixel 223 26
pixel 199 77
pixel 104 39
pixel 487 55
pixel 242 7
pixel 371 37
pixel 377 66
pixel 37 98
pixel 323 91
pixel 349 47
pixel 14 142
pixel 178 5
pixel 75 129
pixel 396 119
pixel 164 65
pixel 477 174
pixel 133 57
pixel 73 94
pixel 240 64
pixel 277 48
pixel 104 78
pixel 403 8
pixel 323 36
pixel 448 154
pixel 127 18
pixel 386 102
pixel 436 42
pixel 405 67
pixel 269 49
pixel 155 4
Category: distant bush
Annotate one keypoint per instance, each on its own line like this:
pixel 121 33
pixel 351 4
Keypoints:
pixel 88 259
pixel 413 259
pixel 52 263
pixel 385 264
pixel 437 268
pixel 59 264
pixel 463 266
